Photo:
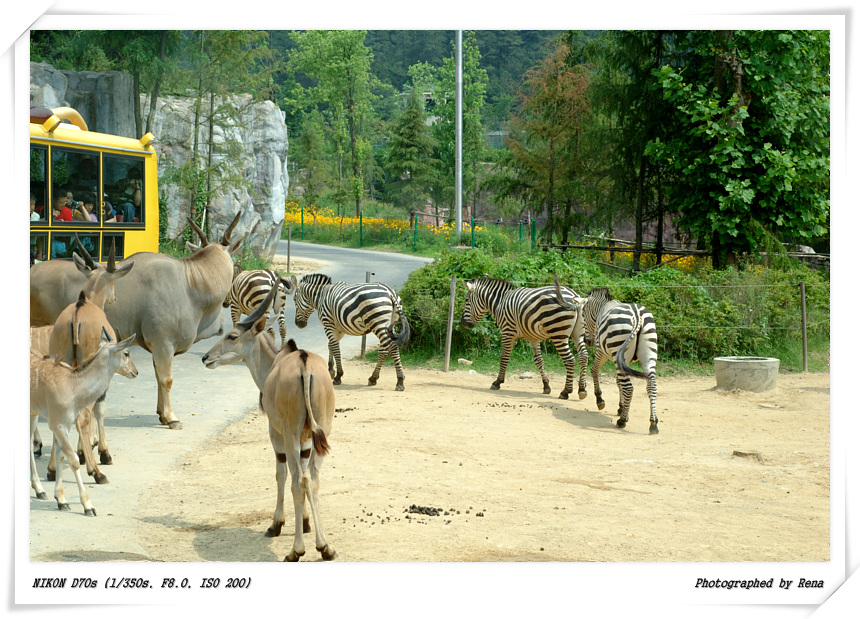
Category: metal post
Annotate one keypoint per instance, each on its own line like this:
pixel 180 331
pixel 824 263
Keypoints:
pixel 289 240
pixel 303 222
pixel 803 321
pixel 534 233
pixel 450 322
pixel 415 234
pixel 473 233
pixel 458 179
pixel 364 337
pixel 360 228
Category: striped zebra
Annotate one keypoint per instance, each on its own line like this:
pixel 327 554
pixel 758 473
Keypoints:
pixel 623 333
pixel 353 309
pixel 534 314
pixel 249 288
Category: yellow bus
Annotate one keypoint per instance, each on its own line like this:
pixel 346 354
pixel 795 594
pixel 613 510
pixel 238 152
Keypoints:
pixel 96 187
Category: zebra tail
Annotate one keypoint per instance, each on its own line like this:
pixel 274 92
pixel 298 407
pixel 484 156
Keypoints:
pixel 619 356
pixel 321 445
pixel 405 331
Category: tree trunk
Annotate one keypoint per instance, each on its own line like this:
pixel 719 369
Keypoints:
pixel 640 214
pixel 153 97
pixel 138 116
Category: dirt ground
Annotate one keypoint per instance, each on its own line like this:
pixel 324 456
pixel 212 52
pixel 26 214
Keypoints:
pixel 515 475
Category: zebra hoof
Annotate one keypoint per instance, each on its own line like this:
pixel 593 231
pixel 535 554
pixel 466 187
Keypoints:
pixel 51 475
pixel 90 512
pixel 100 477
pixel 495 386
pixel 563 395
pixel 105 458
pixel 601 405
pixel 275 530
pixel 328 553
pixel 372 380
pixel 41 495
pixel 653 429
pixel 64 507
pixel 336 380
pixel 546 388
pixel 400 386
pixel 620 423
pixel 582 394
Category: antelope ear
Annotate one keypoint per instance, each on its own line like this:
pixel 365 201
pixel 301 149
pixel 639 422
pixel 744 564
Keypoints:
pixel 260 325
pixel 124 269
pixel 192 247
pixel 81 264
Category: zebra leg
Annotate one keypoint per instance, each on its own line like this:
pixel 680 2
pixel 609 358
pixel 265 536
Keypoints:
pixel 539 363
pixel 651 387
pixel 334 355
pixel 282 327
pixel 563 348
pixel 582 357
pixel 507 347
pixel 599 359
pixel 625 394
pixel 381 355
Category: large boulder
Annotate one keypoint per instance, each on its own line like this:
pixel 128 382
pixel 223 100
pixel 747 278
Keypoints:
pixel 249 144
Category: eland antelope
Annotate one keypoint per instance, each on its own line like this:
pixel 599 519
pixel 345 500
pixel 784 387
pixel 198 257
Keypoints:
pixel 296 391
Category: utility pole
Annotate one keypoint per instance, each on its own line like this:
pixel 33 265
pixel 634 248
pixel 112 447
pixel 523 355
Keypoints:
pixel 458 183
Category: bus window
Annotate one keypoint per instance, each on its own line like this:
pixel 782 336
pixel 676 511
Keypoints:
pixel 123 183
pixel 75 175
pixel 38 183
pixel 89 241
pixel 61 246
pixel 118 240
pixel 38 248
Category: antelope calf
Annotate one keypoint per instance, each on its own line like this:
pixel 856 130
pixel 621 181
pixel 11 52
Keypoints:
pixel 57 392
pixel 296 389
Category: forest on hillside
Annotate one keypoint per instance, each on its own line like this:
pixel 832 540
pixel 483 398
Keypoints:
pixel 714 139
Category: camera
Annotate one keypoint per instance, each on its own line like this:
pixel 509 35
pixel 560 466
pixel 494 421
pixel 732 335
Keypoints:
pixel 73 204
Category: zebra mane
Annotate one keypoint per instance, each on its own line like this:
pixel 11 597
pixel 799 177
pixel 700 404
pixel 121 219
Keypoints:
pixel 601 292
pixel 486 280
pixel 316 278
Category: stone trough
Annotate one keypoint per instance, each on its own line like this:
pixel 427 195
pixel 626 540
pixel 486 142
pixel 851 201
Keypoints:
pixel 755 374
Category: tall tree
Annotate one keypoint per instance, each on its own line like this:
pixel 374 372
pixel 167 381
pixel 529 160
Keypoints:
pixel 410 155
pixel 339 63
pixel 752 156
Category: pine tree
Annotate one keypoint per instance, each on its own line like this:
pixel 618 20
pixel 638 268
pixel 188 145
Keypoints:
pixel 409 160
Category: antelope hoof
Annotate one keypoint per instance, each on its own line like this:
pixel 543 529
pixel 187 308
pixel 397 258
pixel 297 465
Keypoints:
pixel 372 380
pixel 105 458
pixel 653 429
pixel 90 512
pixel 175 425
pixel 328 553
pixel 81 459
pixel 41 495
pixel 292 557
pixel 620 423
pixel 100 477
pixel 275 530
pixel 582 394
pixel 306 526
pixel 37 453
pixel 563 395
pixel 495 386
pixel 51 475
pixel 64 507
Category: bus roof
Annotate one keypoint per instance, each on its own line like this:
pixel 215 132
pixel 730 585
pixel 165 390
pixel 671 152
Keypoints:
pixel 67 134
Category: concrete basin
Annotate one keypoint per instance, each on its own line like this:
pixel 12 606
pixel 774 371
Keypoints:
pixel 747 373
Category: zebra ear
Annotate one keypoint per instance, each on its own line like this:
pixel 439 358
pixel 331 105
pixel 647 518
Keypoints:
pixel 470 284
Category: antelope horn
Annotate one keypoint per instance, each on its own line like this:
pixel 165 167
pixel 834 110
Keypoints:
pixel 225 240
pixel 261 309
pixel 203 240
pixel 111 265
pixel 87 258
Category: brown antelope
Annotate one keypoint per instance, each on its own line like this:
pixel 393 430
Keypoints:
pixel 57 392
pixel 75 337
pixel 170 303
pixel 296 389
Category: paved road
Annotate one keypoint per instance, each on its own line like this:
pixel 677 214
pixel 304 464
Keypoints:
pixel 205 401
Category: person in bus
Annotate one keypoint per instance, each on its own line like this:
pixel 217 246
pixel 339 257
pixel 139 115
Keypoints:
pixel 85 208
pixel 60 210
pixel 34 216
pixel 127 195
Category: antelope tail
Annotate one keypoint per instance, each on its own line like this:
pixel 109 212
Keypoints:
pixel 321 445
pixel 619 356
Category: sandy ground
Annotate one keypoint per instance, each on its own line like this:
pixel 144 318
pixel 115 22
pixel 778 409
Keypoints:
pixel 515 475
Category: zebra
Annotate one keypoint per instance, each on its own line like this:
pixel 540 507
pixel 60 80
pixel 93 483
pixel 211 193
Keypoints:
pixel 249 288
pixel 611 326
pixel 353 309
pixel 534 314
